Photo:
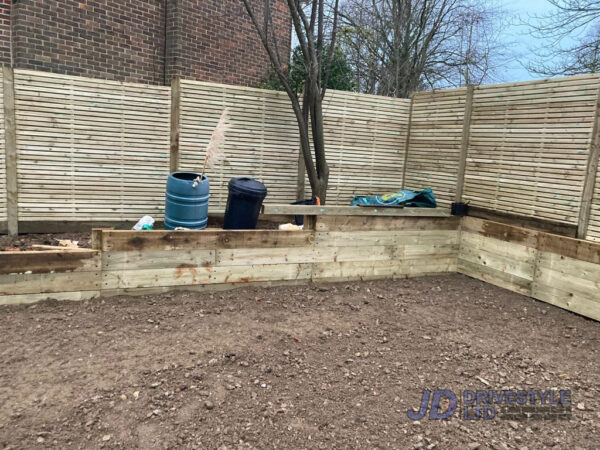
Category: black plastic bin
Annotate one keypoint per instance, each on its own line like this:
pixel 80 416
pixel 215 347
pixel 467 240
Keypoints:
pixel 299 219
pixel 243 203
pixel 459 209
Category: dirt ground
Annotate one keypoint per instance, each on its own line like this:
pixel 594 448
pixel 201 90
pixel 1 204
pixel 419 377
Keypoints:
pixel 25 241
pixel 312 366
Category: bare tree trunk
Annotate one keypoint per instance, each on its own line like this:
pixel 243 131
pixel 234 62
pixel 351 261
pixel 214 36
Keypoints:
pixel 309 115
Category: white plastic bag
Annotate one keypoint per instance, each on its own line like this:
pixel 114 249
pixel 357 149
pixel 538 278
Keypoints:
pixel 146 220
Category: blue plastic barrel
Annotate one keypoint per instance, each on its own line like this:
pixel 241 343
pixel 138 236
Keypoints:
pixel 186 205
pixel 243 203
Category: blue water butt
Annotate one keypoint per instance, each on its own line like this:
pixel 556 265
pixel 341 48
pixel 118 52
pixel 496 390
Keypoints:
pixel 186 205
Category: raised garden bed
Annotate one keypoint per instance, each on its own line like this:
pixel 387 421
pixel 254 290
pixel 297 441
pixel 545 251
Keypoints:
pixel 559 270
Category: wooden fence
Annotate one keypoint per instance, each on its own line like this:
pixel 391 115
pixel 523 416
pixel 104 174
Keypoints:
pixel 89 149
pixel 529 149
pixel 3 215
pixel 262 143
pixel 435 142
pixel 79 149
pixel 366 144
pixel 366 137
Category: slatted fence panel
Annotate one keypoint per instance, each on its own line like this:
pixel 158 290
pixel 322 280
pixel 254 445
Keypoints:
pixel 90 149
pixel 262 142
pixel 435 142
pixel 365 138
pixel 593 231
pixel 528 147
pixel 2 155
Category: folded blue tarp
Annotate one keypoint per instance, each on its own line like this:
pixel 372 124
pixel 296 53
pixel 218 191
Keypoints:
pixel 410 199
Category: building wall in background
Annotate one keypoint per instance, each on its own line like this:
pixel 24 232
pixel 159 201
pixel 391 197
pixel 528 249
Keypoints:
pixel 5 31
pixel 214 40
pixel 144 41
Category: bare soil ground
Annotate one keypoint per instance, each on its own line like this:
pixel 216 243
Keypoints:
pixel 25 241
pixel 313 366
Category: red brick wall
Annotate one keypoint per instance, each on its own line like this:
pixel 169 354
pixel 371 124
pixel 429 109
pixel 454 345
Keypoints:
pixel 5 31
pixel 112 39
pixel 210 40
pixel 214 40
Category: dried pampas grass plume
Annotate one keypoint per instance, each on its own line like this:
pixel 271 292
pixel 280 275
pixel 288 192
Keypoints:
pixel 215 151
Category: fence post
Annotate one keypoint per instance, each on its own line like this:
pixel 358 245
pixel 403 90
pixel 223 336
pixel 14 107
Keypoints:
pixel 407 143
pixel 175 124
pixel 464 148
pixel 590 175
pixel 10 143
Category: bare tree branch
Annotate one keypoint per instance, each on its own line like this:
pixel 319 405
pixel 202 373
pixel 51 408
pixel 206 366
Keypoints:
pixel 399 46
pixel 572 33
pixel 309 112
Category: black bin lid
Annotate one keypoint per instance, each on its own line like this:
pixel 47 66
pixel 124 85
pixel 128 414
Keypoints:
pixel 248 185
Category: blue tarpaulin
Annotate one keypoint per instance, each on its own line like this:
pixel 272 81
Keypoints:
pixel 411 199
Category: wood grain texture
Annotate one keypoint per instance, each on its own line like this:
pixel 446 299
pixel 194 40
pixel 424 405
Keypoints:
pixel 20 299
pixel 464 144
pixel 95 150
pixel 117 240
pixel 434 147
pixel 49 261
pixel 45 283
pixel 364 223
pixel 175 124
pixel 11 189
pixel 559 270
pixel 366 137
pixel 365 143
pixel 328 210
pixel 529 146
pixel 127 261
pixel 3 214
pixel 90 149
pixel 591 172
pixel 262 142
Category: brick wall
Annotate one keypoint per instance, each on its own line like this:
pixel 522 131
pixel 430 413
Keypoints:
pixel 147 41
pixel 112 39
pixel 214 40
pixel 5 31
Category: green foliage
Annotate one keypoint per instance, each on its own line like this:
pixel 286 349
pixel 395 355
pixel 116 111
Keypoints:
pixel 340 76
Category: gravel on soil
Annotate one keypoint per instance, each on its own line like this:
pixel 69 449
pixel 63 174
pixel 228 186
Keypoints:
pixel 314 366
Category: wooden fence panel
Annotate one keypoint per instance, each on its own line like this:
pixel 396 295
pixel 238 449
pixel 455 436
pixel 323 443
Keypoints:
pixel 529 145
pixel 99 150
pixel 435 142
pixel 2 155
pixel 262 142
pixel 365 144
pixel 593 230
pixel 90 149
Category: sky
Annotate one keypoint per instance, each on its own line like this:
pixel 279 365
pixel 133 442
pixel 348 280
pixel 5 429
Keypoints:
pixel 522 42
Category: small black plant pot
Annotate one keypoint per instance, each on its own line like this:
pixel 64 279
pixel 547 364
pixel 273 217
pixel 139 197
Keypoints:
pixel 460 209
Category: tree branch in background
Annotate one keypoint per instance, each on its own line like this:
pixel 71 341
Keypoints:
pixel 309 112
pixel 400 46
pixel 572 33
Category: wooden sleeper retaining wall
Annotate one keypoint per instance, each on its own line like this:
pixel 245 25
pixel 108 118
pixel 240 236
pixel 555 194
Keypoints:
pixel 559 270
pixel 131 262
